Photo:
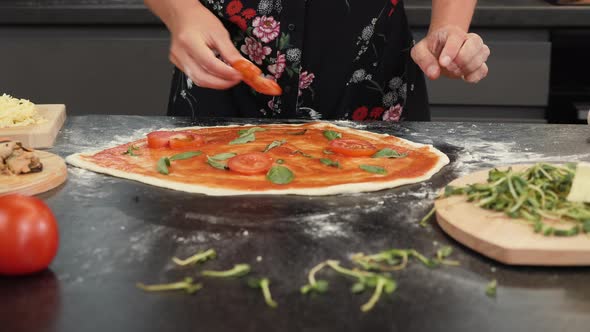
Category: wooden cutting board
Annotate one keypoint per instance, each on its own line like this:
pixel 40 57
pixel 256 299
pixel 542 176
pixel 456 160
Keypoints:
pixel 502 238
pixel 54 173
pixel 39 136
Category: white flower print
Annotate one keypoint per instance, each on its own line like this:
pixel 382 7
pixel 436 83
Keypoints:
pixel 403 91
pixel 395 83
pixel 367 32
pixel 390 98
pixel 359 75
pixel 293 54
pixel 279 6
pixel 255 50
pixel 313 114
pixel 189 83
pixel 265 7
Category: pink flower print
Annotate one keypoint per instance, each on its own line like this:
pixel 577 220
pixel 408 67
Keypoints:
pixel 305 80
pixel 278 67
pixel 266 28
pixel 393 113
pixel 255 50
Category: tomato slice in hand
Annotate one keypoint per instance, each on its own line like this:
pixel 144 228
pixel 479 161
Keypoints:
pixel 29 235
pixel 251 75
pixel 186 141
pixel 250 163
pixel 353 147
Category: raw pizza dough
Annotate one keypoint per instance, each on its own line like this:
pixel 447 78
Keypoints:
pixel 82 160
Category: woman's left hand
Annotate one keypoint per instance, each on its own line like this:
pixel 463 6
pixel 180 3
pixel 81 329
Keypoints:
pixel 454 53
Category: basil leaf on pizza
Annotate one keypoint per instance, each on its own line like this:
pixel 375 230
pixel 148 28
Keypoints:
pixel 162 165
pixel 274 144
pixel 244 139
pixel 330 162
pixel 280 175
pixel 389 153
pixel 130 151
pixel 223 156
pixel 373 169
pixel 332 135
pixel 215 163
pixel 252 130
pixel 185 155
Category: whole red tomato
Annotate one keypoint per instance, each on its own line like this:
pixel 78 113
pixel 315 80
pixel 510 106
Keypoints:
pixel 28 235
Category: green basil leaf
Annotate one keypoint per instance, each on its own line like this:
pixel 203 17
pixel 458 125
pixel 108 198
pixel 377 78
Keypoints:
pixel 332 135
pixel 274 144
pixel 299 133
pixel 252 130
pixel 330 162
pixel 244 139
pixel 280 175
pixel 185 155
pixel 328 151
pixel 216 164
pixel 373 169
pixel 303 154
pixel 280 161
pixel 389 153
pixel 130 151
pixel 444 252
pixel 586 226
pixel 359 287
pixel 223 156
pixel 162 165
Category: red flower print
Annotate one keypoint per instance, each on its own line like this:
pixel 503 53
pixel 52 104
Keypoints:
pixel 305 80
pixel 393 114
pixel 248 13
pixel 234 7
pixel 266 28
pixel 393 4
pixel 239 21
pixel 360 113
pixel 376 112
pixel 255 50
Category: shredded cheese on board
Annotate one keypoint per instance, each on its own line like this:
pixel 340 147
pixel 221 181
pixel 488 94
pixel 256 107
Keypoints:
pixel 16 112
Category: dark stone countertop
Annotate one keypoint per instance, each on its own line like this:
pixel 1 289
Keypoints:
pixel 490 13
pixel 116 232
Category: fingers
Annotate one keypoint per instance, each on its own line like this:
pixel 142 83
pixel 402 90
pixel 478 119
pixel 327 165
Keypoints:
pixel 425 60
pixel 198 75
pixel 205 57
pixel 477 75
pixel 451 49
pixel 477 60
pixel 472 47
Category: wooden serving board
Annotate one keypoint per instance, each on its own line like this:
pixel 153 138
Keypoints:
pixel 504 239
pixel 39 136
pixel 54 173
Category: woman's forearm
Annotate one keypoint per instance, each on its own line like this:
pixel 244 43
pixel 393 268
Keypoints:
pixel 452 12
pixel 172 11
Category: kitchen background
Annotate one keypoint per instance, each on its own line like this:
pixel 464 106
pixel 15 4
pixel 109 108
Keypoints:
pixel 111 57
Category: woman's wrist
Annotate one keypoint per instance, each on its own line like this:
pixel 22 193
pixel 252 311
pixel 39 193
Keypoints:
pixel 174 12
pixel 457 13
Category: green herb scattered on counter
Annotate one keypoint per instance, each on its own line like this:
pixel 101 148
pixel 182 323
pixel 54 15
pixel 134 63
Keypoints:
pixel 299 133
pixel 535 194
pixel 424 220
pixel 197 258
pixel 164 162
pixel 274 144
pixel 373 169
pixel 330 162
pixel 388 153
pixel 443 253
pixel 237 271
pixel 130 150
pixel 264 285
pixel 491 288
pixel 280 175
pixel 332 135
pixel 364 280
pixel 187 285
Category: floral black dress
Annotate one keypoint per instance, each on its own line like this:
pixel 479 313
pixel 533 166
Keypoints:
pixel 334 59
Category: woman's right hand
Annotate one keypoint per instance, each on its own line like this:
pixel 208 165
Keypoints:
pixel 197 36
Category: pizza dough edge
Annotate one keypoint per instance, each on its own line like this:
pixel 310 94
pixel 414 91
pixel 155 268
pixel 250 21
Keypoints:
pixel 348 188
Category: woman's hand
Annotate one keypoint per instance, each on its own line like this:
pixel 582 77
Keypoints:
pixel 452 52
pixel 197 37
